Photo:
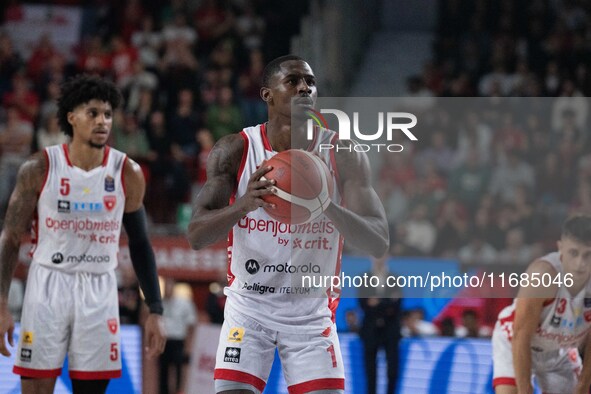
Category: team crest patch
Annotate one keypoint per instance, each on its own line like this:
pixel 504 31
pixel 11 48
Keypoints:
pixel 28 338
pixel 236 334
pixel 232 355
pixel 110 202
pixel 113 325
pixel 109 184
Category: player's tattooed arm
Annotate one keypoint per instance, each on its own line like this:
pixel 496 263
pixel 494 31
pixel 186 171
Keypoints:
pixel 363 222
pixel 19 214
pixel 213 216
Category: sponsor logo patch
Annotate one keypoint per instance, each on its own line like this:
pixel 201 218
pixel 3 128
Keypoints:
pixel 109 184
pixel 236 334
pixel 28 337
pixel 252 266
pixel 57 258
pixel 555 321
pixel 232 355
pixel 63 206
pixel 26 355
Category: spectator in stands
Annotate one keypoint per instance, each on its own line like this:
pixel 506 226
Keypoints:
pixel 10 62
pixel 471 327
pixel 478 251
pixel 469 181
pixel 180 318
pixel 509 174
pixel 16 137
pixel 224 116
pixel 415 325
pixel 216 300
pixel 22 98
pixel 147 41
pixel 183 125
pixel 381 325
pixel 50 133
pixel 516 251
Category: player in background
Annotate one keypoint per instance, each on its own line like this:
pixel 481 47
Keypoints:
pixel 77 195
pixel 265 309
pixel 540 332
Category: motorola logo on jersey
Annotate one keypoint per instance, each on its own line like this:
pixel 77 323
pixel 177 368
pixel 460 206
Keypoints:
pixel 252 266
pixel 293 269
pixel 57 258
pixel 87 258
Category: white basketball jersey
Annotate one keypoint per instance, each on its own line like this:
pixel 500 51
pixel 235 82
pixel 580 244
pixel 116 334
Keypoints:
pixel 564 322
pixel 79 213
pixel 267 258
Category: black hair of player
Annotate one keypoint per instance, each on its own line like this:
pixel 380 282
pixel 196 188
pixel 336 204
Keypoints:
pixel 578 227
pixel 274 66
pixel 80 90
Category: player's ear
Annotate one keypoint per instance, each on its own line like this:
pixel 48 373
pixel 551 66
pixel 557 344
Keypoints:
pixel 70 118
pixel 266 94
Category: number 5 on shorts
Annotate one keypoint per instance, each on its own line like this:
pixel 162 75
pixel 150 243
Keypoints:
pixel 114 352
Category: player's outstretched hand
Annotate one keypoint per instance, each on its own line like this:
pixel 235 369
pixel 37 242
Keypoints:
pixel 155 335
pixel 6 328
pixel 256 189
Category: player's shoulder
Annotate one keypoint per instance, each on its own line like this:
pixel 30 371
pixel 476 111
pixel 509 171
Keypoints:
pixel 542 265
pixel 226 154
pixel 349 159
pixel 35 167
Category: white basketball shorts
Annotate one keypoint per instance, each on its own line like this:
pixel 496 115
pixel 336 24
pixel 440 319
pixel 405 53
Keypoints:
pixel 556 370
pixel 69 313
pixel 309 361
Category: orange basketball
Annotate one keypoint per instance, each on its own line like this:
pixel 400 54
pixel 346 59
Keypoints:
pixel 304 186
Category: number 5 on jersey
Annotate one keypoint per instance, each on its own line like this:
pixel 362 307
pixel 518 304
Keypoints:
pixel 64 186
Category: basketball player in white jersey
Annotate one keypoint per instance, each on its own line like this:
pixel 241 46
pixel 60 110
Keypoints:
pixel 78 195
pixel 267 306
pixel 540 332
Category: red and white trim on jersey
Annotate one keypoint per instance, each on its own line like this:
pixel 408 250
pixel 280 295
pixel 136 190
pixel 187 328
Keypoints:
pixel 317 384
pixel 239 376
pixel 504 382
pixel 95 375
pixel 37 373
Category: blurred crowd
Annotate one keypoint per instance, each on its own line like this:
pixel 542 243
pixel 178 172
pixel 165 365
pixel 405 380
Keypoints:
pixel 189 71
pixel 500 171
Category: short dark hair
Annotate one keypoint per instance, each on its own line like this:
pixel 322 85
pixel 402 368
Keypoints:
pixel 578 227
pixel 274 66
pixel 80 90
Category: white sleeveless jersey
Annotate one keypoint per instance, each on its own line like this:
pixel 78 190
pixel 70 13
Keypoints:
pixel 79 213
pixel 267 258
pixel 565 320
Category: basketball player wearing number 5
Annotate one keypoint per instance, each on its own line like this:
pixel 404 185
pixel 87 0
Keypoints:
pixel 78 196
pixel 265 309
